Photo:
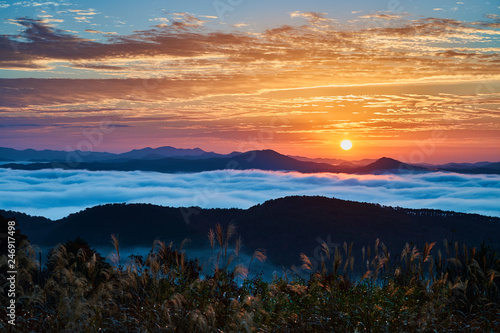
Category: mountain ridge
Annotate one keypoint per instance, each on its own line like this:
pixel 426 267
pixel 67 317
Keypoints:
pixel 279 225
pixel 269 160
pixel 171 159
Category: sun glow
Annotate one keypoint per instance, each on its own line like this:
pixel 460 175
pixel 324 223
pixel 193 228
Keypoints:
pixel 346 144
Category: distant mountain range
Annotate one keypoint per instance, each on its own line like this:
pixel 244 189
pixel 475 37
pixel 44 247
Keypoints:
pixel 259 159
pixel 31 155
pixel 335 161
pixel 170 159
pixel 477 168
pixel 284 227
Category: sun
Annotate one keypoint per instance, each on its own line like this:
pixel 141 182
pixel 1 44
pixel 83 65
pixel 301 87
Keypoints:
pixel 346 144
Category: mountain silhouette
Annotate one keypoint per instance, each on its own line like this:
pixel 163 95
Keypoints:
pixel 10 154
pixel 478 168
pixel 385 164
pixel 271 160
pixel 285 226
pixel 160 152
pixel 171 159
pixel 48 155
pixel 257 159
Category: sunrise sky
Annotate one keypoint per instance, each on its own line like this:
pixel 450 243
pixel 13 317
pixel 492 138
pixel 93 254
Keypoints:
pixel 414 80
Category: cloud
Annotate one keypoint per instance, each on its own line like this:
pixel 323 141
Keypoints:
pixel 83 15
pixel 162 22
pixel 83 12
pixel 315 19
pixel 224 63
pixel 39 4
pixel 56 193
pixel 182 47
pixel 186 73
pixel 186 21
pixel 92 31
pixel 383 16
pixel 19 125
pixel 383 116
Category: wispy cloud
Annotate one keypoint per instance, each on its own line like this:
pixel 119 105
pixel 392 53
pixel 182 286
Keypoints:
pixel 182 71
pixel 314 19
pixel 181 46
pixel 384 16
pixel 92 31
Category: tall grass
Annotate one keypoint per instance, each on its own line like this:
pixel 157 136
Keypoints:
pixel 453 288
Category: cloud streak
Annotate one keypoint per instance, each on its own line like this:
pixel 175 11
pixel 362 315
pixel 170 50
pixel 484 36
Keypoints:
pixel 57 193
pixel 184 81
pixel 183 47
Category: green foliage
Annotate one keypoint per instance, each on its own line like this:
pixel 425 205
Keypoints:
pixel 455 289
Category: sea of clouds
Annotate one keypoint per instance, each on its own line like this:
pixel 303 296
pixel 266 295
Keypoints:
pixel 57 193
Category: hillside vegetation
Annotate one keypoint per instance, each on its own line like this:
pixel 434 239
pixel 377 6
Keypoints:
pixel 453 289
pixel 284 227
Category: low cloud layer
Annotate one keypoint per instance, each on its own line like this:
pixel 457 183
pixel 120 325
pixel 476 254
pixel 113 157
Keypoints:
pixel 57 193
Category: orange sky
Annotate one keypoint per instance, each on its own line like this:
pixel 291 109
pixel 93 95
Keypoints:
pixel 422 90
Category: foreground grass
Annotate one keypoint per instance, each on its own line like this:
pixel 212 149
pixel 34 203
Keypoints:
pixel 425 290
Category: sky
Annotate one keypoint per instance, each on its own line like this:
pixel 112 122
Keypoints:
pixel 58 193
pixel 418 81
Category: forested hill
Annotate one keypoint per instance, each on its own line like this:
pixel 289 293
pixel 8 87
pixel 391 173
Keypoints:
pixel 284 227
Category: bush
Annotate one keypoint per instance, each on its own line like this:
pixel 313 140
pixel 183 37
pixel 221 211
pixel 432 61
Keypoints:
pixel 456 289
